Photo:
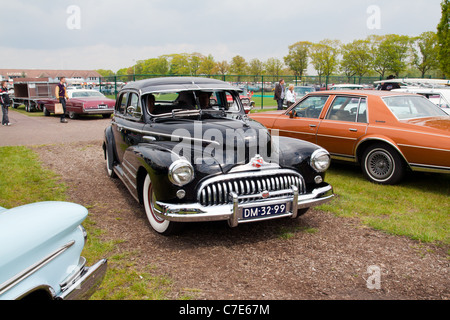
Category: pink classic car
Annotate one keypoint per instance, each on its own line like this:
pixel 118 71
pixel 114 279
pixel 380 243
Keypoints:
pixel 81 102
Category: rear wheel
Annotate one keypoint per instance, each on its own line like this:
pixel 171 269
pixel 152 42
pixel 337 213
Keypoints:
pixel 158 224
pixel 382 164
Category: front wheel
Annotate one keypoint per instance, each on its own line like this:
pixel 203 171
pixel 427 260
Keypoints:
pixel 164 227
pixel 382 164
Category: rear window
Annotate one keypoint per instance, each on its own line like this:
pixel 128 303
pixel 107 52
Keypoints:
pixel 409 107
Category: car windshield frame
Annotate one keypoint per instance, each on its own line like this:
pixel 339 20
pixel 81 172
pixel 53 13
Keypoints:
pixel 188 102
pixel 402 110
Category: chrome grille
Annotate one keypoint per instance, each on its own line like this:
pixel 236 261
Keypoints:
pixel 216 191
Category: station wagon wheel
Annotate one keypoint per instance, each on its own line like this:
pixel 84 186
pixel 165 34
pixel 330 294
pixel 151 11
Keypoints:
pixel 382 164
pixel 158 224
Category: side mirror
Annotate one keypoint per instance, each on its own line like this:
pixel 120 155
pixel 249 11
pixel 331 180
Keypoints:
pixel 291 114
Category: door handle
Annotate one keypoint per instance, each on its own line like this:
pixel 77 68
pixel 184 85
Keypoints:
pixel 353 130
pixel 312 125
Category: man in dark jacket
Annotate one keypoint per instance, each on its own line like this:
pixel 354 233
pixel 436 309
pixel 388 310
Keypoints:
pixel 279 94
pixel 5 102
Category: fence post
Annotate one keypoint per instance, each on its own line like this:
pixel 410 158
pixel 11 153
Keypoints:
pixel 262 92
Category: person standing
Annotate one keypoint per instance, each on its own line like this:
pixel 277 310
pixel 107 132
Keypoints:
pixel 279 94
pixel 290 96
pixel 5 102
pixel 61 95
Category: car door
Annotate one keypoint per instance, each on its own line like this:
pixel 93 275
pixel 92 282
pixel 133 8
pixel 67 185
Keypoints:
pixel 127 123
pixel 345 122
pixel 302 121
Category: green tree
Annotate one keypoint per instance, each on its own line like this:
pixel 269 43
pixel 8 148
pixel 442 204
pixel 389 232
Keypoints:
pixel 356 58
pixel 390 53
pixel 425 52
pixel 274 66
pixel 222 67
pixel 207 65
pixel 297 59
pixel 443 36
pixel 324 57
pixel 105 73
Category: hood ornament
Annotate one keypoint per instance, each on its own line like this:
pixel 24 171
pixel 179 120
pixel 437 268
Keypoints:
pixel 257 161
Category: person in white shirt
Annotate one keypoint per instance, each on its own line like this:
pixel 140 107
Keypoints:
pixel 290 96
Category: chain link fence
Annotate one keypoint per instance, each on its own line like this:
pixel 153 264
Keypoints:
pixel 261 87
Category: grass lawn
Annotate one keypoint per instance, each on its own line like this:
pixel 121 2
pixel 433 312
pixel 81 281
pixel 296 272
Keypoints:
pixel 418 207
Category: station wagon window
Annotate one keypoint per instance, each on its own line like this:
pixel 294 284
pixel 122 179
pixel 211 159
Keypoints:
pixel 311 107
pixel 352 109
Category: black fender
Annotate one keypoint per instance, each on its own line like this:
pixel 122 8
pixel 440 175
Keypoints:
pixel 109 146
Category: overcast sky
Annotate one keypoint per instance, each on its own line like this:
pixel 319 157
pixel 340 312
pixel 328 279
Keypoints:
pixel 112 34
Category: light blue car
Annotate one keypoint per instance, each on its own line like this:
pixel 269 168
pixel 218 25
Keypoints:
pixel 40 253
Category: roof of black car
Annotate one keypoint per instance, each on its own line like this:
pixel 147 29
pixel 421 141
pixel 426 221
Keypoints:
pixel 171 84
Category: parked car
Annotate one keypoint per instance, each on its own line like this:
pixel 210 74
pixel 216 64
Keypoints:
pixel 439 96
pixel 385 132
pixel 81 102
pixel 347 87
pixel 187 157
pixel 40 253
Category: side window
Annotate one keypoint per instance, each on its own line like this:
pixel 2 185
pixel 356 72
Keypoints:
pixel 310 107
pixel 362 111
pixel 352 109
pixel 121 105
pixel 133 107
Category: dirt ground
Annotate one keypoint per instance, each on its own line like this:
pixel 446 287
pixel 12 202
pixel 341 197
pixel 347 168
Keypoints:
pixel 324 258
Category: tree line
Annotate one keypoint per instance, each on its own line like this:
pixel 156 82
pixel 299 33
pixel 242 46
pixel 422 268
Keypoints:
pixel 378 55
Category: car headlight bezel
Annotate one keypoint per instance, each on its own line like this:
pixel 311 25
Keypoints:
pixel 320 160
pixel 181 172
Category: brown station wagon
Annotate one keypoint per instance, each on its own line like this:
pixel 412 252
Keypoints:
pixel 385 132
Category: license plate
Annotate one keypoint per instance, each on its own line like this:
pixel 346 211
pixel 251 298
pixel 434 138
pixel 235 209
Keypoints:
pixel 102 106
pixel 264 211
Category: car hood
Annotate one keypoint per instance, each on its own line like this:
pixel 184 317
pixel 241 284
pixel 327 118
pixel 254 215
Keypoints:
pixel 32 231
pixel 238 140
pixel 438 124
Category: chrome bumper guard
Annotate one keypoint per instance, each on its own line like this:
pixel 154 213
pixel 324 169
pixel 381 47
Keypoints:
pixel 84 281
pixel 195 212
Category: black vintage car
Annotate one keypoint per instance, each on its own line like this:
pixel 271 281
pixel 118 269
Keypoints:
pixel 188 154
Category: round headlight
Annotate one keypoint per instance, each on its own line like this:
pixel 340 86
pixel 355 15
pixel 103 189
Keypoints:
pixel 181 172
pixel 320 160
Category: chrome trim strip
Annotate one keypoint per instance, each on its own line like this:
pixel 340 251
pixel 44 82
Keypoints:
pixel 427 148
pixel 298 132
pixel 33 268
pixel 165 135
pixel 429 168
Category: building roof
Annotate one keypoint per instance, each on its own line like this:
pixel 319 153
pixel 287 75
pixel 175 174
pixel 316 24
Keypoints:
pixel 44 73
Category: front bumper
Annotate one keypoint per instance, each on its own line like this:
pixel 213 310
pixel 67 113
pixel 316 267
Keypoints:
pixel 195 212
pixel 84 282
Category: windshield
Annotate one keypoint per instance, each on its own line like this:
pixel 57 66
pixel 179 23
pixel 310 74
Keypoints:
pixel 186 103
pixel 78 94
pixel 409 107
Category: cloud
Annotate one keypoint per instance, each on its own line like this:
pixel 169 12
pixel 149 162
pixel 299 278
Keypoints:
pixel 115 33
